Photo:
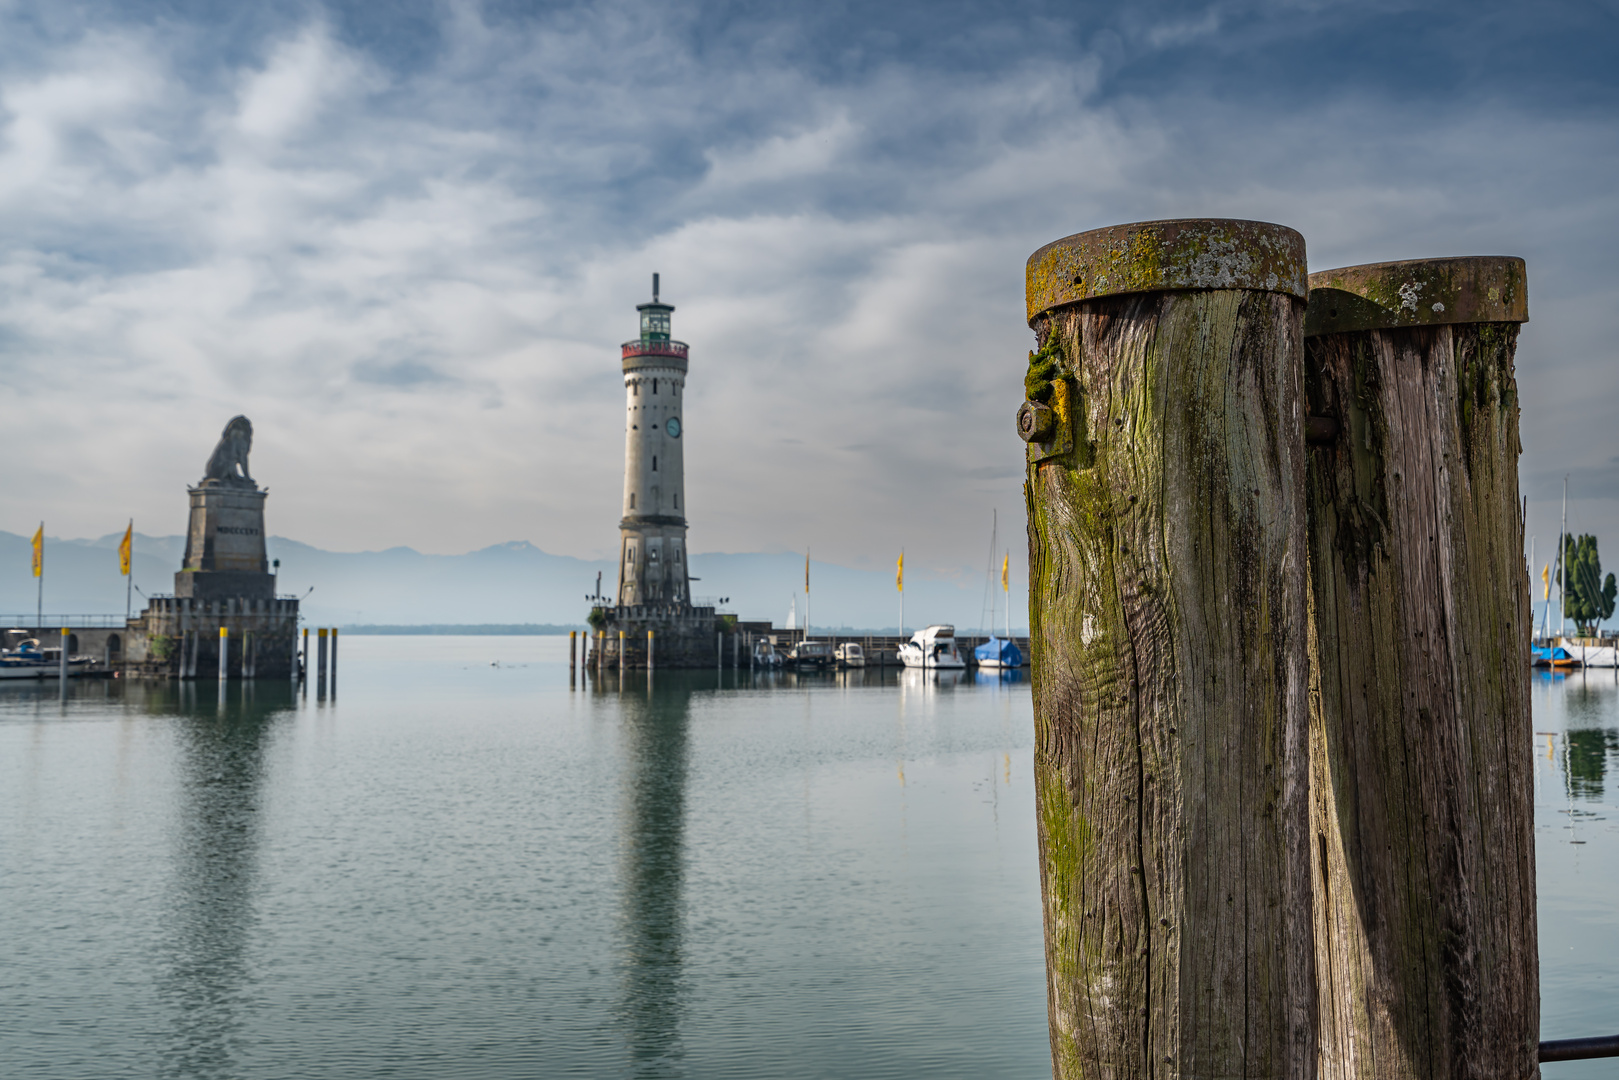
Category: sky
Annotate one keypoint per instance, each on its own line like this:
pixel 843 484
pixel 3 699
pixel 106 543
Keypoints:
pixel 406 239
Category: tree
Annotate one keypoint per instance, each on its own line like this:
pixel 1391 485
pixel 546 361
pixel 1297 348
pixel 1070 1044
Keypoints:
pixel 1589 598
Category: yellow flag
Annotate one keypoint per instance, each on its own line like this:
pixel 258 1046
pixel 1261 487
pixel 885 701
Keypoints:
pixel 899 573
pixel 123 548
pixel 1006 565
pixel 1546 576
pixel 39 551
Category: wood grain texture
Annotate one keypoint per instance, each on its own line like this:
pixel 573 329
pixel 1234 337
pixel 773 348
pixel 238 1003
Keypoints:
pixel 1422 798
pixel 1168 617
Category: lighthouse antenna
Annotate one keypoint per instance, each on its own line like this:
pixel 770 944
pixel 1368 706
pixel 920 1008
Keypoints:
pixel 654 288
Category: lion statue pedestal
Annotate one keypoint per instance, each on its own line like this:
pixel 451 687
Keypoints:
pixel 225 557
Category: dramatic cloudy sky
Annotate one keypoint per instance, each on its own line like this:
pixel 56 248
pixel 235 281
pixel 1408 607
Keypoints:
pixel 406 239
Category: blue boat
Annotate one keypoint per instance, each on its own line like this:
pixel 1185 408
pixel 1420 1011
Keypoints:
pixel 998 653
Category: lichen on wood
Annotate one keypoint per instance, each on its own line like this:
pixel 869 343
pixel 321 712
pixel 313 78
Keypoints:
pixel 1422 790
pixel 1168 626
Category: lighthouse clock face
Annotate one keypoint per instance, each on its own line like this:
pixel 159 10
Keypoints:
pixel 673 427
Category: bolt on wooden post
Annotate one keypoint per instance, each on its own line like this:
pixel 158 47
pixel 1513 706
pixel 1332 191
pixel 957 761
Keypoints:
pixel 1167 626
pixel 1422 786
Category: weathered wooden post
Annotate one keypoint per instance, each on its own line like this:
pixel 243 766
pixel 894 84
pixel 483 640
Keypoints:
pixel 1167 625
pixel 649 650
pixel 1422 785
pixel 573 646
pixel 621 652
pixel 62 657
pixel 224 651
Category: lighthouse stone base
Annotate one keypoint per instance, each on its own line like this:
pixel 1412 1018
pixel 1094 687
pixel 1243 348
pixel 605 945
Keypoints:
pixel 683 636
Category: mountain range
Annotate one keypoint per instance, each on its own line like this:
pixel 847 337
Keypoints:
pixel 511 583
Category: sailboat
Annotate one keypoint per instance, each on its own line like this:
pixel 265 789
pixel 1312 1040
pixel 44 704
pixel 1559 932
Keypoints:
pixel 1000 652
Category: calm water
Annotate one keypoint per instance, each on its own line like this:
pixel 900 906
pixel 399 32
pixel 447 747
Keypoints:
pixel 459 867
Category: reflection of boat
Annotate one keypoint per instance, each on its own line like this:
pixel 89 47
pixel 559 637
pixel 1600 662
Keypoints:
pixel 850 654
pixel 29 661
pixel 810 655
pixel 998 653
pixel 934 647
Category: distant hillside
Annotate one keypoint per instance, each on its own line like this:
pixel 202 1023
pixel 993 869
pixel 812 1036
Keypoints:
pixel 512 583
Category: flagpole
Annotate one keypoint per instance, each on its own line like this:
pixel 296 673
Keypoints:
pixel 129 585
pixel 902 596
pixel 39 604
pixel 1562 568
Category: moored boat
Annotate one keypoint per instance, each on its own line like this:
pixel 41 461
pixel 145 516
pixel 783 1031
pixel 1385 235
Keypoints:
pixel 998 652
pixel 810 656
pixel 850 654
pixel 29 661
pixel 934 647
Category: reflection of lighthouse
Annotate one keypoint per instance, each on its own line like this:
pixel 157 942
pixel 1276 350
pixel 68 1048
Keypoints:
pixel 652 532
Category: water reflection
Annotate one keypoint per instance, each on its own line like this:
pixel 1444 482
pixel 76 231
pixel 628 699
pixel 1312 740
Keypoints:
pixel 211 912
pixel 655 716
pixel 1590 702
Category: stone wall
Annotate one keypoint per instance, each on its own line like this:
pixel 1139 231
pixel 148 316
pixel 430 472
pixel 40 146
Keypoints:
pixel 157 635
pixel 683 637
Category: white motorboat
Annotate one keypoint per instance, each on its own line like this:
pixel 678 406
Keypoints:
pixel 765 654
pixel 29 661
pixel 934 647
pixel 850 654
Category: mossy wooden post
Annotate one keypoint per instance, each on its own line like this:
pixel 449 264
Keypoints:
pixel 1422 789
pixel 1167 612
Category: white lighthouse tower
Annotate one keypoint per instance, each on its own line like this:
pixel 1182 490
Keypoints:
pixel 652 531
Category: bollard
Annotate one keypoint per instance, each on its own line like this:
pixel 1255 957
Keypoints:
pixel 334 659
pixel 320 656
pixel 1422 799
pixel 62 659
pixel 649 650
pixel 224 651
pixel 573 650
pixel 621 657
pixel 303 660
pixel 1165 473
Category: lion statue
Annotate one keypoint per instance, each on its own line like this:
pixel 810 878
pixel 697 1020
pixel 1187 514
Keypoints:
pixel 231 452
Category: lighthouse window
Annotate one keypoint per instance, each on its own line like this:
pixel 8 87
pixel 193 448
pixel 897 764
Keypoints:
pixel 654 386
pixel 629 556
pixel 654 463
pixel 632 500
pixel 635 389
pixel 677 507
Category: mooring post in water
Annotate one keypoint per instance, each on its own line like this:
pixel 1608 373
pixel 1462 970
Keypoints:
pixel 62 658
pixel 334 659
pixel 224 651
pixel 1165 491
pixel 1422 781
pixel 621 657
pixel 320 660
pixel 573 646
pixel 649 650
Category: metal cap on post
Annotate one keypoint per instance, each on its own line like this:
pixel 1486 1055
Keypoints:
pixel 649 650
pixel 1425 925
pixel 1167 630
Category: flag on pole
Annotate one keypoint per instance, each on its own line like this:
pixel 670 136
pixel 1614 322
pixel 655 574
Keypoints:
pixel 123 548
pixel 1546 576
pixel 806 572
pixel 1006 566
pixel 39 551
pixel 899 573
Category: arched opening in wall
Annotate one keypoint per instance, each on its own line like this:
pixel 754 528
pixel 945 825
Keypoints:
pixel 73 643
pixel 114 644
pixel 654 462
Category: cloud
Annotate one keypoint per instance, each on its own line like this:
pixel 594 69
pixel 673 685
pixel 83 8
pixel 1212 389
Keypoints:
pixel 408 248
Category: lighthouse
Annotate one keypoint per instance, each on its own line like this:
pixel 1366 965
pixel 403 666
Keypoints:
pixel 652 531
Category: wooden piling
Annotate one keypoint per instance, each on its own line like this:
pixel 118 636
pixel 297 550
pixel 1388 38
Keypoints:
pixel 621 657
pixel 1167 614
pixel 62 659
pixel 573 650
pixel 224 651
pixel 320 662
pixel 649 650
pixel 1422 783
pixel 334 658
